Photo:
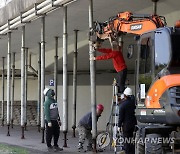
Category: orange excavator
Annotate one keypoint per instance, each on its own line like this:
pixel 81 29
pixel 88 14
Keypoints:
pixel 157 73
pixel 126 22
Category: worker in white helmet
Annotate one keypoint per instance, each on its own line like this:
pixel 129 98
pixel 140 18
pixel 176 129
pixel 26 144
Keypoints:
pixel 127 119
pixel 52 120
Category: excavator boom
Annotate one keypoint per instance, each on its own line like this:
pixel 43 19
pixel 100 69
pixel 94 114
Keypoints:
pixel 126 22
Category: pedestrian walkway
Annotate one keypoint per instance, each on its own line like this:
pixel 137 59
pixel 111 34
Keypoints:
pixel 32 141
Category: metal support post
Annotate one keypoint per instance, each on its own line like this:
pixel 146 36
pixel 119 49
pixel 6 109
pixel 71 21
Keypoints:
pixel 12 87
pixel 26 83
pixel 8 81
pixel 92 80
pixel 3 59
pixel 56 67
pixel 155 6
pixel 39 89
pixel 42 73
pixel 65 97
pixel 74 82
pixel 121 42
pixel 115 128
pixel 23 50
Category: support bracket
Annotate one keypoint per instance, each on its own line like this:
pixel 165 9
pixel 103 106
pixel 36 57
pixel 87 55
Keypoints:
pixel 9 26
pixel 36 10
pixel 23 22
pixel 56 6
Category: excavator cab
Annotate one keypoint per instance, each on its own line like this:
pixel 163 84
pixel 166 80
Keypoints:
pixel 158 89
pixel 158 62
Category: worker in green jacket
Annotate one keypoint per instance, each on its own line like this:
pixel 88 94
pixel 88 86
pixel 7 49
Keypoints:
pixel 52 120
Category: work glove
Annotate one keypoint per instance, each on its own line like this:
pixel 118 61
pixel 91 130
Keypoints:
pixel 92 58
pixel 119 129
pixel 122 96
pixel 96 45
pixel 49 124
pixel 59 123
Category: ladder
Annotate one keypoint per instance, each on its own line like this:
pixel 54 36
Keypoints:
pixel 112 125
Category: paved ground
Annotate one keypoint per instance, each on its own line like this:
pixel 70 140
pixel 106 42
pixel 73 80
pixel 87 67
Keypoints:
pixel 32 141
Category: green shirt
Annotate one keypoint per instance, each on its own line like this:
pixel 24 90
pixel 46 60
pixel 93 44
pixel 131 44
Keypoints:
pixel 51 109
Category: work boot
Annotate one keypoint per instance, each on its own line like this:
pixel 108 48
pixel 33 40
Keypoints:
pixel 57 148
pixel 100 150
pixel 50 149
pixel 89 147
pixel 80 147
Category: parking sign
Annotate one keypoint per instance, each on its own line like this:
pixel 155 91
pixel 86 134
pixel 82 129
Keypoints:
pixel 51 82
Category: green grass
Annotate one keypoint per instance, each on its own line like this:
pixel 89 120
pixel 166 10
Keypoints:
pixel 7 149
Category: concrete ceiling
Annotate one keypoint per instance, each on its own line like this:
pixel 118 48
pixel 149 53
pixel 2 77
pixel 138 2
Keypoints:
pixel 78 19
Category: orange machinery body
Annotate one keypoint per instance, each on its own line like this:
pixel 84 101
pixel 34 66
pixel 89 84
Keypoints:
pixel 159 114
pixel 128 23
pixel 158 88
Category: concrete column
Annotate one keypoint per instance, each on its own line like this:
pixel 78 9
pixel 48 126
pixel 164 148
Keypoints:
pixel 3 62
pixel 23 50
pixel 42 74
pixel 65 96
pixel 8 81
pixel 56 67
pixel 12 88
pixel 92 79
pixel 74 82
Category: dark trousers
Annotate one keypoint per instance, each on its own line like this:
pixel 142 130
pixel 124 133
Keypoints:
pixel 52 132
pixel 121 79
pixel 129 147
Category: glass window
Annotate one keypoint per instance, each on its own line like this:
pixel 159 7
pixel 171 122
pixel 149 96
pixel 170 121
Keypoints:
pixel 145 63
pixel 162 50
pixel 175 61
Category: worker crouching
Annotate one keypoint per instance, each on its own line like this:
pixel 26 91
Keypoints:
pixel 85 127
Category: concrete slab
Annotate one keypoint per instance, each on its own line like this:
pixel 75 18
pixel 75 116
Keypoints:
pixel 32 141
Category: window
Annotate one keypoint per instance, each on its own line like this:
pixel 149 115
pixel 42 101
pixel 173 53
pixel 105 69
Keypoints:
pixel 145 63
pixel 162 50
pixel 175 61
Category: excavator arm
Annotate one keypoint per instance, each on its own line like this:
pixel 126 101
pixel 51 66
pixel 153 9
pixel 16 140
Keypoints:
pixel 126 22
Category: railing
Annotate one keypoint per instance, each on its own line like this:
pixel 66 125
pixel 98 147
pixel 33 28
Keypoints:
pixel 34 13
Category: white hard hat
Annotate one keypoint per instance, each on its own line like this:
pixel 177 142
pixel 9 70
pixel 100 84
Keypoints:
pixel 128 91
pixel 46 90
